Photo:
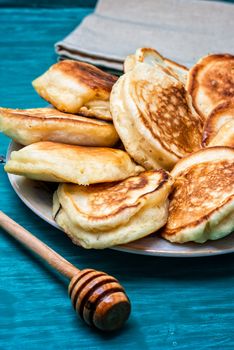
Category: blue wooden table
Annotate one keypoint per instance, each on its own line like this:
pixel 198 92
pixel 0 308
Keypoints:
pixel 176 303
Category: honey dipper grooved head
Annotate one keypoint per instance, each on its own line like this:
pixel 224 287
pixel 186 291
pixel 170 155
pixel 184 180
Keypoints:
pixel 99 299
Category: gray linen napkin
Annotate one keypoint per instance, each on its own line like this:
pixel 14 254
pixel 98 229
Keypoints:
pixel 182 30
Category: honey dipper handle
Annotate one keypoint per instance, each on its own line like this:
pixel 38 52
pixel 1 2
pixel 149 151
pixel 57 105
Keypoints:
pixel 37 246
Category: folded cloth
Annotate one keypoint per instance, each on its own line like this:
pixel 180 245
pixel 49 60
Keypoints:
pixel 182 30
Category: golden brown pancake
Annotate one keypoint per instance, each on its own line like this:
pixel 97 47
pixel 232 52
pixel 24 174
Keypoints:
pixel 210 82
pixel 202 201
pixel 179 69
pixel 57 162
pixel 103 215
pixel 219 126
pixel 97 109
pixel 153 116
pixel 69 85
pixel 27 126
pixel 152 57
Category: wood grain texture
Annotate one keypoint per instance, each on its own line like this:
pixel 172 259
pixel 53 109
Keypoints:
pixel 176 303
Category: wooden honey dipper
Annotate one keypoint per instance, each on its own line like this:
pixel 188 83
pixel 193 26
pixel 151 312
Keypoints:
pixel 97 297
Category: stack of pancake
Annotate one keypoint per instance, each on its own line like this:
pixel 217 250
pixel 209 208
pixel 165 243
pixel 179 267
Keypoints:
pixel 150 151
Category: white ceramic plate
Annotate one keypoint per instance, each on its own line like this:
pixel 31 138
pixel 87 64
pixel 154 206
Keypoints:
pixel 38 197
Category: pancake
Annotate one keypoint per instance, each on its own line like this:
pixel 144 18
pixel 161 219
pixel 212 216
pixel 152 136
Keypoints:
pixel 56 162
pixel 202 201
pixel 153 57
pixel 179 69
pixel 97 109
pixel 219 126
pixel 153 116
pixel 129 63
pixel 27 126
pixel 225 135
pixel 70 85
pixel 210 82
pixel 104 215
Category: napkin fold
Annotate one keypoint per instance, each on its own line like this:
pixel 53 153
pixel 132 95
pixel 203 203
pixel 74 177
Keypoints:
pixel 182 30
